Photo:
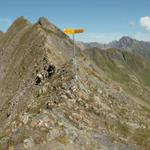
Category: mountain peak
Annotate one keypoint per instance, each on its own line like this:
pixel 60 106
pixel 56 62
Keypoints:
pixel 126 39
pixel 21 19
pixel 19 24
pixel 43 21
pixel 125 42
pixel 45 24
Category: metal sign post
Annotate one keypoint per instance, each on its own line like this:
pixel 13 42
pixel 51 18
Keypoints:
pixel 73 32
pixel 74 58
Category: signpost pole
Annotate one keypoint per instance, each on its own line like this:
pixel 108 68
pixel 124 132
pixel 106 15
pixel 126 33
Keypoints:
pixel 73 32
pixel 74 58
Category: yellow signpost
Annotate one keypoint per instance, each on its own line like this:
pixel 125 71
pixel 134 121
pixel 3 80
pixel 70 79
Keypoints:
pixel 73 32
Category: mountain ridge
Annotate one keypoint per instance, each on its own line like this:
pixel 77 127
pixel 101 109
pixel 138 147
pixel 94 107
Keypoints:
pixel 124 43
pixel 43 106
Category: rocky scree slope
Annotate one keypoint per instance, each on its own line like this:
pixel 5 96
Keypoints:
pixel 93 112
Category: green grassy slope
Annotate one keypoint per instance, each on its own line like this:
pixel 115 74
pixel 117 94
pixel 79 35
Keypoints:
pixel 126 68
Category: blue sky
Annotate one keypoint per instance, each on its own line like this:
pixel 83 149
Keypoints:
pixel 103 20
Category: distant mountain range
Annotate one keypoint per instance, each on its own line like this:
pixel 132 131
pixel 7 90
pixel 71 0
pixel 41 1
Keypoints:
pixel 125 43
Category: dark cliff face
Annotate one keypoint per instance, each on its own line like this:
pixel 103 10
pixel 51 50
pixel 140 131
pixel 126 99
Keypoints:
pixel 43 106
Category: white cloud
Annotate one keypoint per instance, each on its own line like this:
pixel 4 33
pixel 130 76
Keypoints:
pixel 132 24
pixel 145 23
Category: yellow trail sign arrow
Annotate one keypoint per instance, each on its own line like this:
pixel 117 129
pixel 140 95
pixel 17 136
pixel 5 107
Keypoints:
pixel 73 31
